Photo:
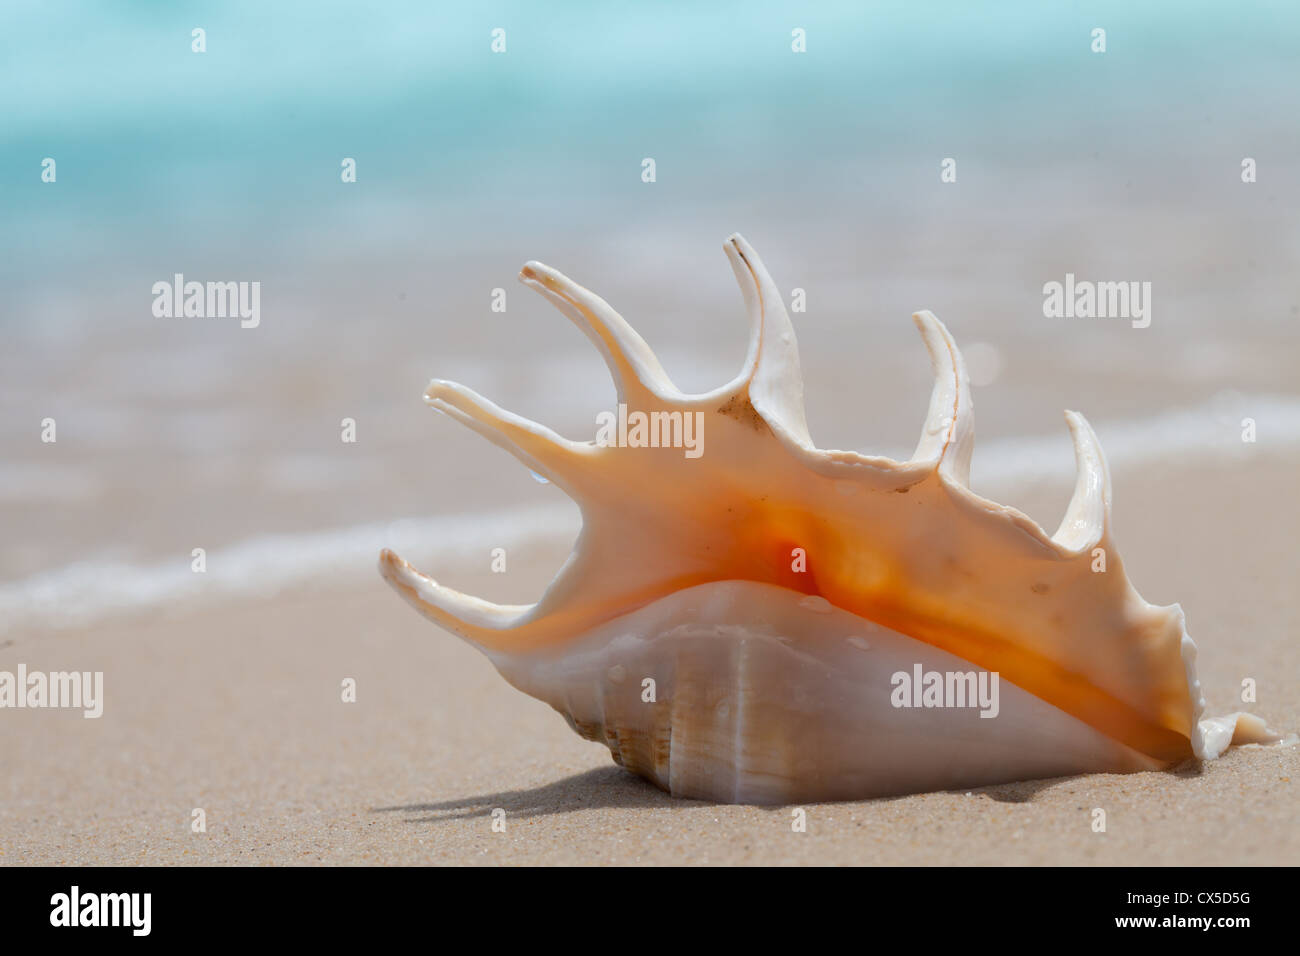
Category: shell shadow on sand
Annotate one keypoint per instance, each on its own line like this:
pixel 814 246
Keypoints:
pixel 602 788
pixel 615 788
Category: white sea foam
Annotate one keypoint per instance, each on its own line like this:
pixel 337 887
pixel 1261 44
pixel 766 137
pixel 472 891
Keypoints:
pixel 82 592
pixel 85 591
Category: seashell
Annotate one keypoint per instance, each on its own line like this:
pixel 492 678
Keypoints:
pixel 681 634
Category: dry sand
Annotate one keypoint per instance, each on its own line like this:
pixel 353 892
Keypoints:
pixel 237 710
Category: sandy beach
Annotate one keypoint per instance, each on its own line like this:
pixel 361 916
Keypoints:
pixel 237 710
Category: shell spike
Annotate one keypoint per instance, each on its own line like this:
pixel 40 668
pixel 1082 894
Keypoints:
pixel 1087 518
pixel 948 436
pixel 479 622
pixel 545 452
pixel 638 376
pixel 772 374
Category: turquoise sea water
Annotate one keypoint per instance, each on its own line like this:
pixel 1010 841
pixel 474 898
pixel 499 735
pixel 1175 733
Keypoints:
pixel 232 156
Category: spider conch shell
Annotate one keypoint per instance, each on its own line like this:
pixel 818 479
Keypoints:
pixel 681 634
